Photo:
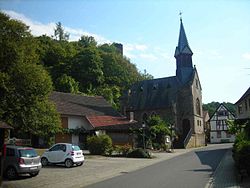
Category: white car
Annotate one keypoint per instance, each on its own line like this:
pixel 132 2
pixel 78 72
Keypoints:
pixel 63 153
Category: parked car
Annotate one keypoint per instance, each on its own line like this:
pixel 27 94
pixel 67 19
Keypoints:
pixel 63 153
pixel 21 160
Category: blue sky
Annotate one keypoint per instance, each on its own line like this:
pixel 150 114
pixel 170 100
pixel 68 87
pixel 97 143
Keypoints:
pixel 218 33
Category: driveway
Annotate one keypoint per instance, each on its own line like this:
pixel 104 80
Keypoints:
pixel 94 169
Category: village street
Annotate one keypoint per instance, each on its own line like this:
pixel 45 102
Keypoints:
pixel 188 168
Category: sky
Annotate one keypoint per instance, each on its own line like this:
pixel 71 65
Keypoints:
pixel 218 32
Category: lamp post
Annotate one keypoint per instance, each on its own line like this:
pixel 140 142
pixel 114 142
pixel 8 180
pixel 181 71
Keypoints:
pixel 143 135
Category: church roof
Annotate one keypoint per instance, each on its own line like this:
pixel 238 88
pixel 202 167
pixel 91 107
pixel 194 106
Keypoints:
pixel 183 46
pixel 153 94
pixel 247 93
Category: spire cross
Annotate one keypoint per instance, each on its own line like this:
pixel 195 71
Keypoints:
pixel 180 14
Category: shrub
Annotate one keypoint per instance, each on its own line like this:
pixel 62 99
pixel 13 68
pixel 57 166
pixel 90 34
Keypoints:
pixel 139 153
pixel 241 155
pixel 123 150
pixel 100 145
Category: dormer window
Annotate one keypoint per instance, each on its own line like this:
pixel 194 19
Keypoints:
pixel 155 86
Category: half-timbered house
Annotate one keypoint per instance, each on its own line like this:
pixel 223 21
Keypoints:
pixel 219 125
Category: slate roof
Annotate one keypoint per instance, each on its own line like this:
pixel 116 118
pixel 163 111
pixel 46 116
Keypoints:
pixel 80 105
pixel 183 46
pixel 153 94
pixel 102 122
pixel 247 93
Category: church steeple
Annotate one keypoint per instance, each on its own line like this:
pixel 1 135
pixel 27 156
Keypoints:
pixel 183 46
pixel 183 55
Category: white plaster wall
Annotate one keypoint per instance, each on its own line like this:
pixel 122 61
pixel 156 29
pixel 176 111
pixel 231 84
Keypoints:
pixel 78 121
pixel 214 139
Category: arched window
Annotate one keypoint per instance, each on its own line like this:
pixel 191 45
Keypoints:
pixel 153 114
pixel 198 107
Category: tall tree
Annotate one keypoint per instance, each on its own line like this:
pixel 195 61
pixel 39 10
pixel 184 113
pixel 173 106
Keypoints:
pixel 24 85
pixel 87 41
pixel 59 32
pixel 87 69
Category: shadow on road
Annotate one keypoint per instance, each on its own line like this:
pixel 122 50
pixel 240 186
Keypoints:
pixel 210 158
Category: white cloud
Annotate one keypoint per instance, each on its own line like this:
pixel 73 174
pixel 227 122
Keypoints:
pixel 132 50
pixel 246 55
pixel 38 28
pixel 150 57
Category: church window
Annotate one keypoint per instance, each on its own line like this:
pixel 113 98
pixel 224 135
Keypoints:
pixel 246 105
pixel 240 109
pixel 197 84
pixel 198 107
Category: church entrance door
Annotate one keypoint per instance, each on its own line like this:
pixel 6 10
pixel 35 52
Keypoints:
pixel 185 127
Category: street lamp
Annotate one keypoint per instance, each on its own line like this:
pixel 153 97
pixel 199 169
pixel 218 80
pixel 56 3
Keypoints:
pixel 143 135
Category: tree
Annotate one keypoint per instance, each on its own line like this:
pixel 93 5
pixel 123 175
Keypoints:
pixel 158 129
pixel 87 69
pixel 59 32
pixel 66 84
pixel 25 86
pixel 87 41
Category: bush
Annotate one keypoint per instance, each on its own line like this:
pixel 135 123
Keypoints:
pixel 139 153
pixel 241 155
pixel 100 145
pixel 123 150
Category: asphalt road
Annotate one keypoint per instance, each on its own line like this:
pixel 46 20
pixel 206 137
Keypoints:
pixel 190 170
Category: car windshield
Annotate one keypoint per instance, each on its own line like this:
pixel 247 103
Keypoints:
pixel 75 148
pixel 27 152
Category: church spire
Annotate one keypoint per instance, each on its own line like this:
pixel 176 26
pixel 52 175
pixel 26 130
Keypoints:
pixel 183 55
pixel 183 46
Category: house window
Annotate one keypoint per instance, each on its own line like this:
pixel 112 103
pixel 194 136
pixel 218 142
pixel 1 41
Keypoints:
pixel 222 113
pixel 218 125
pixel 219 134
pixel 198 107
pixel 240 109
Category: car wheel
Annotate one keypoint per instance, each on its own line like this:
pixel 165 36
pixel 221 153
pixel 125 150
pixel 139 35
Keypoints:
pixel 44 161
pixel 68 163
pixel 79 164
pixel 33 174
pixel 11 173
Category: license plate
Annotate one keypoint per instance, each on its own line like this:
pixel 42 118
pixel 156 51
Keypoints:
pixel 33 168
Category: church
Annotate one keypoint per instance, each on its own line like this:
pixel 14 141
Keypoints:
pixel 177 99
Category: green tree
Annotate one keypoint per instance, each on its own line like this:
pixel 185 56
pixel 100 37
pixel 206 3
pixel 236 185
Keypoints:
pixel 66 84
pixel 87 41
pixel 59 32
pixel 24 85
pixel 158 129
pixel 87 69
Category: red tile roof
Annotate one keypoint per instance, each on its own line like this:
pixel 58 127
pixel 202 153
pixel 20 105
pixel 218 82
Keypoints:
pixel 103 121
